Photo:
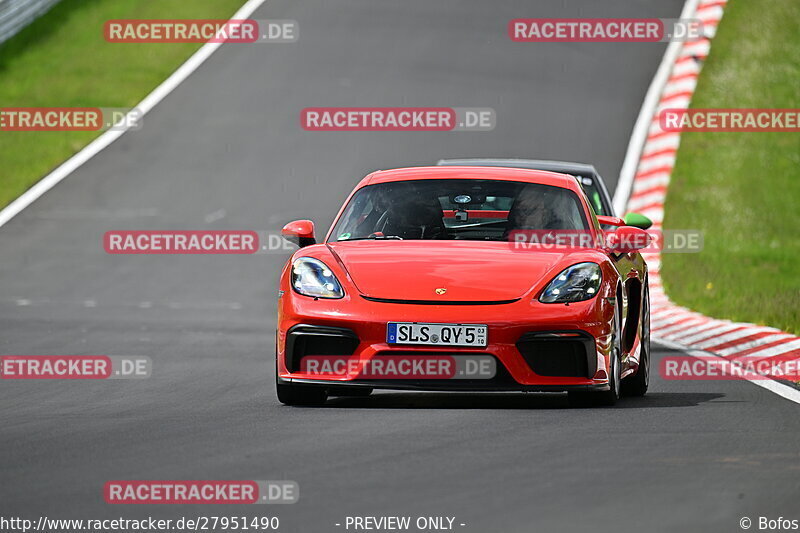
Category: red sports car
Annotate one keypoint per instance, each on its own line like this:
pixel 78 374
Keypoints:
pixel 464 279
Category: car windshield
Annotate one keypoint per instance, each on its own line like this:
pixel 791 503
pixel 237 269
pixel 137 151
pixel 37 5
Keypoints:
pixel 457 209
pixel 592 191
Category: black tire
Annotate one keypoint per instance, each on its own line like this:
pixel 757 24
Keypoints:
pixel 351 392
pixel 305 395
pixel 609 397
pixel 636 385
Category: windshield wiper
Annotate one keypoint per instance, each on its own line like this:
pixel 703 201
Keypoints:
pixel 373 237
pixel 478 224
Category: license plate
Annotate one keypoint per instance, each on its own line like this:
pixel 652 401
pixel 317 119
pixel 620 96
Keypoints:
pixel 437 334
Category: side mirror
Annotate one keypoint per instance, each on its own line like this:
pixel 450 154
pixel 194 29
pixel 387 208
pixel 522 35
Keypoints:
pixel 638 221
pixel 610 221
pixel 299 232
pixel 627 239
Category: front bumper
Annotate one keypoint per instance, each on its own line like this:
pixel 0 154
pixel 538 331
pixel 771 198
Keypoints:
pixel 537 347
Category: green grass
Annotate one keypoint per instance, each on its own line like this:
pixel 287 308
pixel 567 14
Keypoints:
pixel 62 60
pixel 742 189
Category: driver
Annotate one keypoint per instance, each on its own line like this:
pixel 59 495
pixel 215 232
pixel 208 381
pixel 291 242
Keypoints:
pixel 537 209
pixel 404 212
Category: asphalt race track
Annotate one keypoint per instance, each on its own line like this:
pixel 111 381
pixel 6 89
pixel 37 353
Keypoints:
pixel 226 151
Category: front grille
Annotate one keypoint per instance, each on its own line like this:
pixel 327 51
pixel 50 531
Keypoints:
pixel 559 354
pixel 304 339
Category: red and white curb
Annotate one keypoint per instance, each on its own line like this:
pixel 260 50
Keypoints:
pixel 671 324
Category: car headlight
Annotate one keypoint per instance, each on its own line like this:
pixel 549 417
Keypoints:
pixel 312 277
pixel 574 284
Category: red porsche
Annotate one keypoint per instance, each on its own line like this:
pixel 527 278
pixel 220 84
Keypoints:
pixel 464 279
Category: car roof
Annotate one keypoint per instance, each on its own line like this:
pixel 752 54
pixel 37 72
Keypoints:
pixel 472 172
pixel 566 167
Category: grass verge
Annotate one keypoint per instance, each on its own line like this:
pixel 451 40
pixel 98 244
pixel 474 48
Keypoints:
pixel 742 189
pixel 62 60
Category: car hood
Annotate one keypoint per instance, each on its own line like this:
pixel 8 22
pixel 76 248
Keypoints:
pixel 470 271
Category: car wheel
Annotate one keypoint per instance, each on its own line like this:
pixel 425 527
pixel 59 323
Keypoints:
pixel 609 397
pixel 637 384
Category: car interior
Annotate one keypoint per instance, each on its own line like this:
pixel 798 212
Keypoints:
pixel 457 210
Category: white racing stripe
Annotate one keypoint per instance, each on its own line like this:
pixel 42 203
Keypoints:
pixel 697 49
pixel 680 319
pixel 772 351
pixel 652 163
pixel 637 202
pixel 661 179
pixel 740 334
pixel 677 325
pixel 685 67
pixel 680 329
pixel 670 141
pixel 664 313
pixel 674 101
pixel 683 85
pixel 733 350
pixel 655 265
pixel 708 323
pixel 710 333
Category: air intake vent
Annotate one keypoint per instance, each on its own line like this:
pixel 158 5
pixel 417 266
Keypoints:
pixel 559 354
pixel 303 339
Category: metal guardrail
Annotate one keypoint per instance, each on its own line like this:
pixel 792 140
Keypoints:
pixel 16 14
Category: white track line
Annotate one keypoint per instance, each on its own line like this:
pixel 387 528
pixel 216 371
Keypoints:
pixel 646 114
pixel 93 148
pixel 785 391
